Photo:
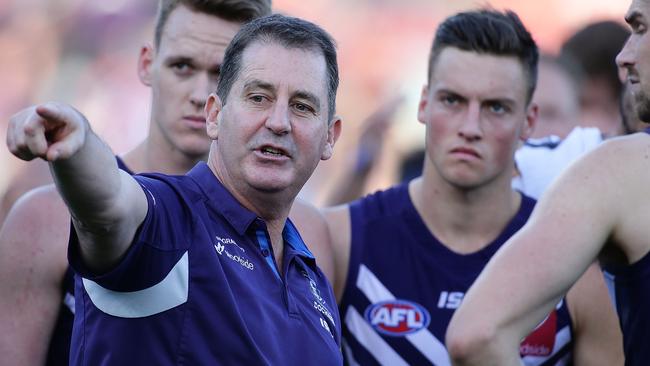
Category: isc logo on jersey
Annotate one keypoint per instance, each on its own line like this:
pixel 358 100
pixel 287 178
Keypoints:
pixel 397 317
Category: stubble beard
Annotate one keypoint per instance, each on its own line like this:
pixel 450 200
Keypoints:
pixel 642 106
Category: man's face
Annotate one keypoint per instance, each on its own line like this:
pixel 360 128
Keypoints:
pixel 475 113
pixel 634 58
pixel 273 129
pixel 182 72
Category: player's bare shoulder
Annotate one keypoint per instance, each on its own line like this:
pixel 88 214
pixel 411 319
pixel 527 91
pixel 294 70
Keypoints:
pixel 42 200
pixel 312 226
pixel 33 243
pixel 611 169
pixel 623 154
pixel 338 221
pixel 41 218
pixel 623 166
pixel 340 230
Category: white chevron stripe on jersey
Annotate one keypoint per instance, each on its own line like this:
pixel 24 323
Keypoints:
pixel 423 340
pixel 172 291
pixel 562 337
pixel 368 338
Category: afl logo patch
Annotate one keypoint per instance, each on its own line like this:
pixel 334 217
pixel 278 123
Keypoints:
pixel 397 317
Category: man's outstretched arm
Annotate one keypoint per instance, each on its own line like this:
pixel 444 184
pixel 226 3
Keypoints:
pixel 106 205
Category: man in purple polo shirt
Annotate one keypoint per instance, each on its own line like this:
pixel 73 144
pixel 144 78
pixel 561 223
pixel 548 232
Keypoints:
pixel 180 66
pixel 204 268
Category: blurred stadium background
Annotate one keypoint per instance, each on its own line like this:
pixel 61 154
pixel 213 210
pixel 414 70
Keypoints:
pixel 85 52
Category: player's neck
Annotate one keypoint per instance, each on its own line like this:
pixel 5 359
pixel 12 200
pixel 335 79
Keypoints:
pixel 464 220
pixel 151 157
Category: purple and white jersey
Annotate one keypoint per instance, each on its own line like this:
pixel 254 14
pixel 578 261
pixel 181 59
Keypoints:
pixel 403 287
pixel 200 286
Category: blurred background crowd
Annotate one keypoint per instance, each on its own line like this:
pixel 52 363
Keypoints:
pixel 85 53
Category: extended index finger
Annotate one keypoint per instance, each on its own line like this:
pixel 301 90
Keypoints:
pixel 25 136
pixel 52 112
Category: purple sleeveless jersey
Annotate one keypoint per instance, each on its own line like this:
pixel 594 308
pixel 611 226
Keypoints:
pixel 403 287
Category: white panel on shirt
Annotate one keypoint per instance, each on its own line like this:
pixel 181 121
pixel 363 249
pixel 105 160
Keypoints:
pixel 172 291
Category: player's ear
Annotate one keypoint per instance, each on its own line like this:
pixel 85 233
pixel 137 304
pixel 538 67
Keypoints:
pixel 532 112
pixel 145 62
pixel 422 106
pixel 212 112
pixel 333 133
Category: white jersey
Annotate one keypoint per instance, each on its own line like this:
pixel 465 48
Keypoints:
pixel 540 161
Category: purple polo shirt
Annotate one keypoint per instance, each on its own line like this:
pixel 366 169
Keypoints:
pixel 199 286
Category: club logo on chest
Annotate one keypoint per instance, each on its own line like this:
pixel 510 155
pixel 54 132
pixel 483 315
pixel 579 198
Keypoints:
pixel 397 317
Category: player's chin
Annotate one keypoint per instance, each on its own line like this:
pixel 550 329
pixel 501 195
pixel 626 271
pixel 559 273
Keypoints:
pixel 195 145
pixel 466 180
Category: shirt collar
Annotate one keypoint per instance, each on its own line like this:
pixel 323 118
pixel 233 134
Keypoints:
pixel 294 240
pixel 223 202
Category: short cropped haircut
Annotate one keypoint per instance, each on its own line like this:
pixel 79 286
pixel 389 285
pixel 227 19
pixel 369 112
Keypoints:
pixel 292 33
pixel 490 32
pixel 233 10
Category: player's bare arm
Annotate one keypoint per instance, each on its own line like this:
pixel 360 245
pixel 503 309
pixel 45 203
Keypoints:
pixel 568 229
pixel 32 248
pixel 313 229
pixel 598 335
pixel 340 232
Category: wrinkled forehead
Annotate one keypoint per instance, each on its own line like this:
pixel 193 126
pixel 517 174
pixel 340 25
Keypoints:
pixel 297 69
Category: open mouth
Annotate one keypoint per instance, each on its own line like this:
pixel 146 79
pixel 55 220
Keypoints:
pixel 273 151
